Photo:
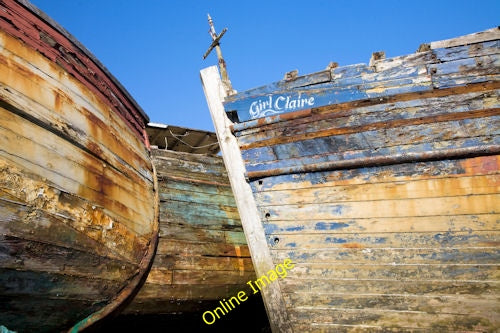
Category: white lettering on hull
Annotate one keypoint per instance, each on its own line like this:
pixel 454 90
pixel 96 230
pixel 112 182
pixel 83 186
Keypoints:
pixel 277 104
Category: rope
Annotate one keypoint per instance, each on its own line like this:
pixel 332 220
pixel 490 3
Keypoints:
pixel 178 137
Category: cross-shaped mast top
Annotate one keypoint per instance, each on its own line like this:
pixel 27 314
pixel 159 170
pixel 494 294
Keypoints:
pixel 222 64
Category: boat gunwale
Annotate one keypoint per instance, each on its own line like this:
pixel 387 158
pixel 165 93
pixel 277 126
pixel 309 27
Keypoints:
pixel 43 16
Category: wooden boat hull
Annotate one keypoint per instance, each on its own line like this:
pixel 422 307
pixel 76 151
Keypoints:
pixel 384 192
pixel 78 220
pixel 202 255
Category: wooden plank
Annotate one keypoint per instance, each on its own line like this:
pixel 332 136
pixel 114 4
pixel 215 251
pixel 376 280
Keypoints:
pixel 199 221
pixel 179 292
pixel 467 51
pixel 399 189
pixel 462 305
pixel 465 71
pixel 376 240
pixel 198 167
pixel 454 205
pixel 180 312
pixel 215 162
pixel 207 211
pixel 187 248
pixel 359 319
pixel 235 237
pixel 196 220
pixel 302 81
pixel 50 230
pixel 159 275
pixel 450 223
pixel 483 165
pixel 261 257
pixel 385 155
pixel 482 36
pixel 377 139
pixel 29 255
pixel 304 326
pixel 400 272
pixel 183 195
pixel 194 277
pixel 169 184
pixel 60 228
pixel 204 263
pixel 368 75
pixel 410 60
pixel 55 285
pixel 390 286
pixel 188 233
pixel 397 256
pixel 172 169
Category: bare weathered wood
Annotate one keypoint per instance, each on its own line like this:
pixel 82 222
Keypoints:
pixel 246 206
pixel 187 248
pixel 487 35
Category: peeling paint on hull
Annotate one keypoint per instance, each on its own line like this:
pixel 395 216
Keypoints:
pixel 385 194
pixel 78 212
pixel 202 254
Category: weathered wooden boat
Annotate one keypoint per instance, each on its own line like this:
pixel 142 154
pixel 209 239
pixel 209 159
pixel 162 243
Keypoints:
pixel 202 256
pixel 380 182
pixel 78 207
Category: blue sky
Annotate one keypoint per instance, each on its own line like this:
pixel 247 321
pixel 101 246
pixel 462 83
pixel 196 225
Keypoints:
pixel 155 47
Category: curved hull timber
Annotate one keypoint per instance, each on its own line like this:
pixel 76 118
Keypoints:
pixel 78 207
pixel 380 182
pixel 202 255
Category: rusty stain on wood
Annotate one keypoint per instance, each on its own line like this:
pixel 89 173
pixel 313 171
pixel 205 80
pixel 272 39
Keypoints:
pixel 78 202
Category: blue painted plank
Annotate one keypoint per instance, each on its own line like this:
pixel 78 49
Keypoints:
pixel 305 98
pixel 384 137
pixel 258 165
pixel 302 81
pixel 467 51
pixel 466 71
pixel 369 114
